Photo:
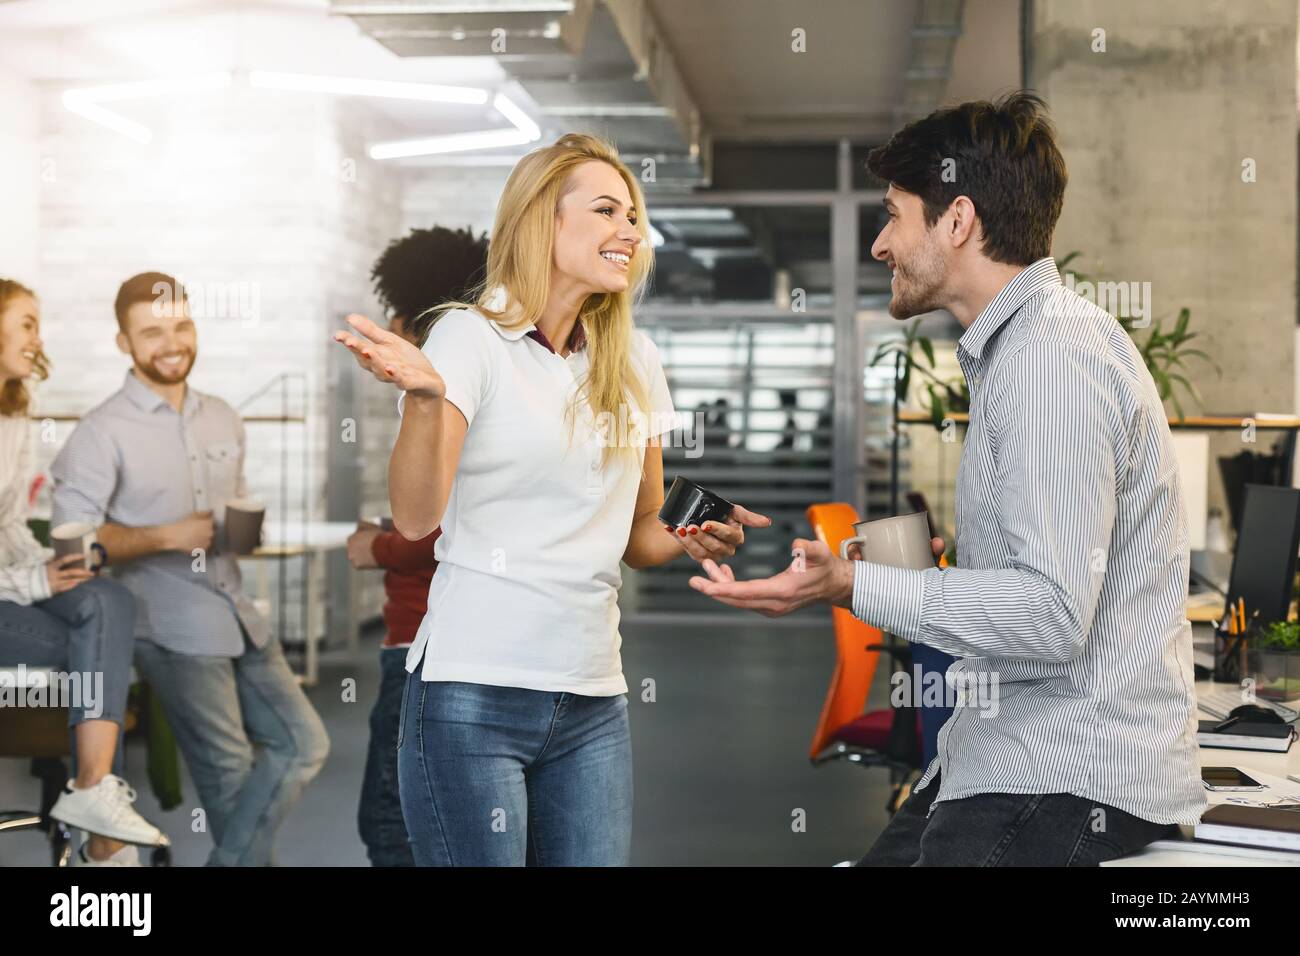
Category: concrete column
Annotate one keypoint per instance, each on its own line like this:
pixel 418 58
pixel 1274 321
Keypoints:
pixel 1157 129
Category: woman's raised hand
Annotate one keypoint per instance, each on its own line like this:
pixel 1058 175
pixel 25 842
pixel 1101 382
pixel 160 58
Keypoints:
pixel 390 358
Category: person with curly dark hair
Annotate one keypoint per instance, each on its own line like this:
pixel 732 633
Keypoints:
pixel 422 270
pixel 414 275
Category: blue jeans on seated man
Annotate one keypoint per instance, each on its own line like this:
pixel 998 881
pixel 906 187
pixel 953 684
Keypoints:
pixel 251 740
pixel 88 629
pixel 379 815
pixel 504 776
pixel 1009 829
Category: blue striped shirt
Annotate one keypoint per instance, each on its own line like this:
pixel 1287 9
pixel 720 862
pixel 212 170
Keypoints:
pixel 1067 603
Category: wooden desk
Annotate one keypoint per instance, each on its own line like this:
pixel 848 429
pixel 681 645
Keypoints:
pixel 1205 613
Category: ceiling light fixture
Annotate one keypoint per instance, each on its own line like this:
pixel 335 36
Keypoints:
pixel 523 131
pixel 85 102
pixel 352 86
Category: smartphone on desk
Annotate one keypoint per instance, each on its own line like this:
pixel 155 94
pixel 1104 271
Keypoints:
pixel 1228 779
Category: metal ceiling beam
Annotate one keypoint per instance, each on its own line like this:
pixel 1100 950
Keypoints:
pixel 934 35
pixel 657 67
pixel 595 66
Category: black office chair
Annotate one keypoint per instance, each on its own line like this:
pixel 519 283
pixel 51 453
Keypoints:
pixel 41 736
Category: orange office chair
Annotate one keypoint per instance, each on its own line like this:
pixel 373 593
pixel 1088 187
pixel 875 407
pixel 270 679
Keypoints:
pixel 889 737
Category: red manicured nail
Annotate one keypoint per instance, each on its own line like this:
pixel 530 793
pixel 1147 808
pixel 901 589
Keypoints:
pixel 668 528
pixel 708 527
pixel 695 530
pixel 681 532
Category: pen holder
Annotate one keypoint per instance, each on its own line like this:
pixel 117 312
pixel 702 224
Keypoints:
pixel 1231 659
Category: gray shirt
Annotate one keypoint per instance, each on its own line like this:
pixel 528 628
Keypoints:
pixel 134 461
pixel 1067 602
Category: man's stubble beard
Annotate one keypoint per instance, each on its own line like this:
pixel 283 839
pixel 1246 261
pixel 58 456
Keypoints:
pixel 155 376
pixel 922 281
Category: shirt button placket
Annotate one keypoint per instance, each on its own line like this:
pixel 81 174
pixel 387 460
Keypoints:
pixel 198 480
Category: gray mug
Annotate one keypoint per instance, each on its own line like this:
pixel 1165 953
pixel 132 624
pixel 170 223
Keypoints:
pixel 902 541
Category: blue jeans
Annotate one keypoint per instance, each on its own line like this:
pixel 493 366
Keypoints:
pixel 379 816
pixel 503 776
pixel 89 629
pixel 219 708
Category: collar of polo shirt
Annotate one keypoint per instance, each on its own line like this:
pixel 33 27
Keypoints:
pixel 497 303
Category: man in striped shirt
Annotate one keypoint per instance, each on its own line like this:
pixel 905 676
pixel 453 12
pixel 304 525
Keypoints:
pixel 1074 737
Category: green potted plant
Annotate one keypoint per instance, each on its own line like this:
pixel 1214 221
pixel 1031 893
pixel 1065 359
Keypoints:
pixel 944 397
pixel 1275 660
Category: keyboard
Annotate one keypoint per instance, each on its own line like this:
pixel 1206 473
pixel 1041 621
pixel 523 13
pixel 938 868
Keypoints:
pixel 1219 703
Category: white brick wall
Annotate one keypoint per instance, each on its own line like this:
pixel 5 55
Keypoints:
pixel 266 192
pixel 453 196
pixel 19 178
pixel 238 186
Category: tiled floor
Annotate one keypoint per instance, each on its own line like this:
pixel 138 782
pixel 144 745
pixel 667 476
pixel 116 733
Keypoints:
pixel 721 760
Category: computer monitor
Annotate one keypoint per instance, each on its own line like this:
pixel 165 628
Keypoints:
pixel 1263 564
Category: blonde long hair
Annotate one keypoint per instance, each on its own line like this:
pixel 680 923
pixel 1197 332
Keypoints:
pixel 519 259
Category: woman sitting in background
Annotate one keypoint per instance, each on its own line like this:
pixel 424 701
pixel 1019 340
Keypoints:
pixel 56 613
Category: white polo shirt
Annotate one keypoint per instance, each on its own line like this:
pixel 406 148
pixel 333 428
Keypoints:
pixel 526 593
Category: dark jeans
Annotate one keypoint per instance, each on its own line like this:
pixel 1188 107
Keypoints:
pixel 1010 829
pixel 379 817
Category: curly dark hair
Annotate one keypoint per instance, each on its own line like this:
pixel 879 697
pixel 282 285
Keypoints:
pixel 425 269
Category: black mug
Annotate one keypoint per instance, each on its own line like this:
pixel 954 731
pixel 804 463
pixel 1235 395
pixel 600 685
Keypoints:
pixel 688 504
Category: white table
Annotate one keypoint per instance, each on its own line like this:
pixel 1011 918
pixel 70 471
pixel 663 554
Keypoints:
pixel 1172 853
pixel 310 543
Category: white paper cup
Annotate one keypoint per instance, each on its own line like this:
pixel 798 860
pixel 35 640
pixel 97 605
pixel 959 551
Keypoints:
pixel 78 537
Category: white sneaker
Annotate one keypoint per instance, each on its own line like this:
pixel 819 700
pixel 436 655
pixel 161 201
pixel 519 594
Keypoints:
pixel 127 856
pixel 106 809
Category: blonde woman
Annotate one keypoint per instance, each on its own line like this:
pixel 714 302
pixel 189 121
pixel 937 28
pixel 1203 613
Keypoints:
pixel 55 613
pixel 530 431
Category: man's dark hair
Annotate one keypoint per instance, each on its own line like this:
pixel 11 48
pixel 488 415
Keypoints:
pixel 156 287
pixel 427 268
pixel 1003 158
